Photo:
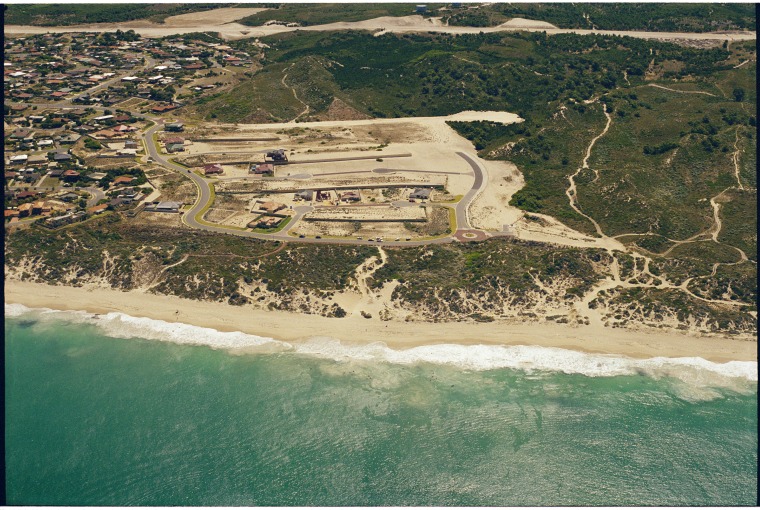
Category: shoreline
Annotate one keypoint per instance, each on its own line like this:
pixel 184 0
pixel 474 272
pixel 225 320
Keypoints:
pixel 292 327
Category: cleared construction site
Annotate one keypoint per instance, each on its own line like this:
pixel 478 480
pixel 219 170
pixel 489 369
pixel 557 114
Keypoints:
pixel 398 179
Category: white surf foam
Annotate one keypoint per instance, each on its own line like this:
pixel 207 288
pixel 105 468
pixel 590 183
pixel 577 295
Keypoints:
pixel 16 309
pixel 525 357
pixel 691 370
pixel 120 325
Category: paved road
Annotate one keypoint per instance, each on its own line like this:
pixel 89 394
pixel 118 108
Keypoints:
pixel 96 195
pixel 463 221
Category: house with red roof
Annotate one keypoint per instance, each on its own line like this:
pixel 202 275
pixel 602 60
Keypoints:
pixel 213 169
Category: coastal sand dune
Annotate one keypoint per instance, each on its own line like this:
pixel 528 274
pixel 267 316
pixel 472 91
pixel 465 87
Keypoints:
pixel 355 330
pixel 223 21
pixel 517 23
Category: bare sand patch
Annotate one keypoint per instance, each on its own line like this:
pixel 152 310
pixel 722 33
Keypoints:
pixel 517 23
pixel 219 16
pixel 368 213
pixel 489 116
pixel 491 210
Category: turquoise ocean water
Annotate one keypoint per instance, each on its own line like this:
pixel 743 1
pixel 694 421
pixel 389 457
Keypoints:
pixel 100 411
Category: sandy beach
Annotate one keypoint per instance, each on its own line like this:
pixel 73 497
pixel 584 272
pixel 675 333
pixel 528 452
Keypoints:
pixel 292 327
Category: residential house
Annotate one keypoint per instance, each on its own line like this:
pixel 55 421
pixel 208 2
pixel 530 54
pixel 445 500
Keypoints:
pixel 350 196
pixel 421 193
pixel 65 219
pixel 266 169
pixel 307 195
pixel 124 129
pixel 97 209
pixel 38 206
pixel 116 202
pixel 25 210
pixel 69 139
pixel 37 160
pixel 265 222
pixel 21 133
pixel 171 207
pixel 70 175
pixel 276 156
pixel 124 179
pixel 271 207
pixel 128 196
pixel 213 169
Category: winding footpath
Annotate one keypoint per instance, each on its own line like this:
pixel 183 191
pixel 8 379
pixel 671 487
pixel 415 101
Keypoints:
pixel 572 191
pixel 293 89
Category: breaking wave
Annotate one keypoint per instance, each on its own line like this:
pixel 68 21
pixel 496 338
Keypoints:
pixel 470 357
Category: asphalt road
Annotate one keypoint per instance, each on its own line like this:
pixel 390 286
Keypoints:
pixel 96 195
pixel 463 221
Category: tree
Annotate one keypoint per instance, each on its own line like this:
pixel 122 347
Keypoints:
pixel 92 144
pixel 739 95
